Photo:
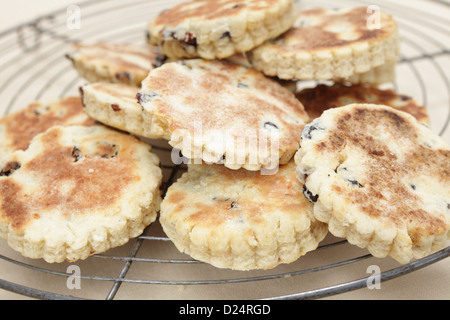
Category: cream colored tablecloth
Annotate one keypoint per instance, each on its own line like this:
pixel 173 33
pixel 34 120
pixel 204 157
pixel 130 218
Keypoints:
pixel 429 283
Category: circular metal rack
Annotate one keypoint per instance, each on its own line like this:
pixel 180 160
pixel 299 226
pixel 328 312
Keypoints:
pixel 33 67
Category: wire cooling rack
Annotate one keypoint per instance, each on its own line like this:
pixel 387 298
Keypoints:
pixel 33 67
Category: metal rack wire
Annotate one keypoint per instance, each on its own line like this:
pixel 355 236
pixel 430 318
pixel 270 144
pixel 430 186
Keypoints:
pixel 33 67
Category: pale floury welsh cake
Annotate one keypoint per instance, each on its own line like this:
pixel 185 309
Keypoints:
pixel 217 111
pixel 114 62
pixel 240 220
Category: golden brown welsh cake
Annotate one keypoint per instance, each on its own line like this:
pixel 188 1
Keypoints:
pixel 323 97
pixel 77 191
pixel 240 220
pixel 379 179
pixel 327 44
pixel 217 29
pixel 19 128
